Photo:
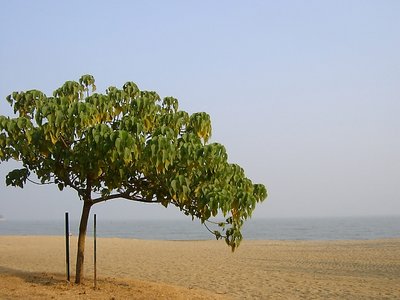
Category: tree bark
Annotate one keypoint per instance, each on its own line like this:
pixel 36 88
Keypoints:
pixel 81 241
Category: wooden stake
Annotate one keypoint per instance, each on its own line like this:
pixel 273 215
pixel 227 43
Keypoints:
pixel 95 253
pixel 67 244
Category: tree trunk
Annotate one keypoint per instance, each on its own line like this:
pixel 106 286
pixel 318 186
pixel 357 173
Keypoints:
pixel 81 241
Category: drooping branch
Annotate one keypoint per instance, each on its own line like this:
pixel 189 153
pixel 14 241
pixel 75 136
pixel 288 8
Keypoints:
pixel 217 234
pixel 218 223
pixel 39 183
pixel 124 195
pixel 106 198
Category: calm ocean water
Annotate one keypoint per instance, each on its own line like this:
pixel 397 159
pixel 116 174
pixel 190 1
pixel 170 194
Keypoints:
pixel 275 229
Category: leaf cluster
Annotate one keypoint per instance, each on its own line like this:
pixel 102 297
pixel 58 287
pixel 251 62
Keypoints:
pixel 126 143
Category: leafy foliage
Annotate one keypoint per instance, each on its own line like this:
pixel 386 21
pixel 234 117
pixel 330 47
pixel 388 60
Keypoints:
pixel 130 144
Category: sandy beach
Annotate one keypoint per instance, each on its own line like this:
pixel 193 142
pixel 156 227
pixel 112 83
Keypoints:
pixel 34 267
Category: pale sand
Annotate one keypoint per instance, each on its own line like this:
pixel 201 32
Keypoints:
pixel 34 267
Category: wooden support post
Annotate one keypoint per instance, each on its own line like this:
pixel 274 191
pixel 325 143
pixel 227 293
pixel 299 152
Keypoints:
pixel 67 245
pixel 95 253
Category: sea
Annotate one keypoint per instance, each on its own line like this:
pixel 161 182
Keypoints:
pixel 332 228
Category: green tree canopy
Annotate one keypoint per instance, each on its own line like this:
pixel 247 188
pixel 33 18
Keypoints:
pixel 129 144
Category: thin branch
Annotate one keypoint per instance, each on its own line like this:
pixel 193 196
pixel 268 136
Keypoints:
pixel 72 185
pixel 218 236
pixel 124 196
pixel 143 200
pixel 74 179
pixel 63 140
pixel 39 183
pixel 205 225
pixel 217 223
pixel 105 198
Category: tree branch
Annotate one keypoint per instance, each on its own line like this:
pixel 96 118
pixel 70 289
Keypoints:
pixel 88 191
pixel 72 184
pixel 124 196
pixel 217 234
pixel 39 183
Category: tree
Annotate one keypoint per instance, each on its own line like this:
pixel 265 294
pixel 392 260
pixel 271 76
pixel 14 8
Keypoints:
pixel 127 144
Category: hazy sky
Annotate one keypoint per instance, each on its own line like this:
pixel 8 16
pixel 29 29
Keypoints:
pixel 305 95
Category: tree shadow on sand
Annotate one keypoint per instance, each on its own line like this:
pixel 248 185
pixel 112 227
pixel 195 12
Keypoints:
pixel 39 278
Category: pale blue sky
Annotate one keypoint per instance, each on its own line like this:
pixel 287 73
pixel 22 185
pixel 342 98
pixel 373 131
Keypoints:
pixel 305 95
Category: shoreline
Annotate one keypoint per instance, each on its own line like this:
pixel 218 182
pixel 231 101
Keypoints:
pixel 245 240
pixel 254 229
pixel 257 269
